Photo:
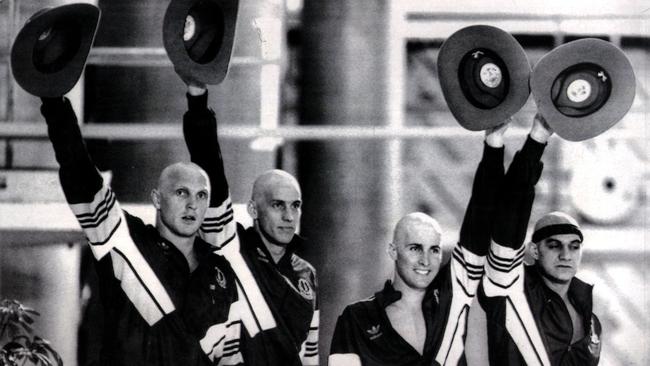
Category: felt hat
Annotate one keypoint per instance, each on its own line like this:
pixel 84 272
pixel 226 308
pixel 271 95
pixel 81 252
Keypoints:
pixel 483 73
pixel 198 36
pixel 583 88
pixel 50 51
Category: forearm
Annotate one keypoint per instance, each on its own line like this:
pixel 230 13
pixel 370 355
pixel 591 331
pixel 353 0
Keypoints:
pixel 518 194
pixel 200 131
pixel 476 229
pixel 79 177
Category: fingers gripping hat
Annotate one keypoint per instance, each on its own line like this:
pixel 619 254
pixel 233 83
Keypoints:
pixel 483 73
pixel 50 51
pixel 555 223
pixel 583 88
pixel 198 36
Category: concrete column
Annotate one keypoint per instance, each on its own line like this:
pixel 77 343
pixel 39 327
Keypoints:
pixel 346 211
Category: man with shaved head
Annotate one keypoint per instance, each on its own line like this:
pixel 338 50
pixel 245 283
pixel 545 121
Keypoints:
pixel 420 316
pixel 287 305
pixel 145 272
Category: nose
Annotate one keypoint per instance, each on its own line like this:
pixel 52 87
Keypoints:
pixel 191 202
pixel 288 215
pixel 564 253
pixel 424 259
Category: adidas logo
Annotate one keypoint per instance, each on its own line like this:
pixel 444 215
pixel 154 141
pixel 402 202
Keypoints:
pixel 374 332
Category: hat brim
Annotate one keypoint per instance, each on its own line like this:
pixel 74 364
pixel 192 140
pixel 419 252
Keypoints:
pixel 57 83
pixel 509 50
pixel 589 50
pixel 214 71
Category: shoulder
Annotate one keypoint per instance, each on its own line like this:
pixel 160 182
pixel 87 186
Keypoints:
pixel 301 265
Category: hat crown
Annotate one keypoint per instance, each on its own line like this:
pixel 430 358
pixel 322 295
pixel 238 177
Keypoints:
pixel 555 218
pixel 204 31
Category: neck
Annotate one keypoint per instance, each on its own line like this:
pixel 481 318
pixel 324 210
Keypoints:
pixel 560 288
pixel 411 297
pixel 184 244
pixel 275 248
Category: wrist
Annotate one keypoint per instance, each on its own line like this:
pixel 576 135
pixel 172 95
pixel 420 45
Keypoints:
pixel 540 135
pixel 196 91
pixel 495 141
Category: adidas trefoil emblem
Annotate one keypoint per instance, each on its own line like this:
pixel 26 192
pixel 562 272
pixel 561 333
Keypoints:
pixel 374 332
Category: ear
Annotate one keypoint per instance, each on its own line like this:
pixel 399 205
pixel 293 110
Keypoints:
pixel 252 210
pixel 392 251
pixel 533 250
pixel 155 198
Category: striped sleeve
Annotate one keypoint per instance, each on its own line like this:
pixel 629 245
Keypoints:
pixel 344 348
pixel 466 273
pixel 309 348
pixel 219 227
pixel 104 224
pixel 221 341
pixel 504 270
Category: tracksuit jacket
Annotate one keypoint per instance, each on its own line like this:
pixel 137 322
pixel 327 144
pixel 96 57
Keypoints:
pixel 528 323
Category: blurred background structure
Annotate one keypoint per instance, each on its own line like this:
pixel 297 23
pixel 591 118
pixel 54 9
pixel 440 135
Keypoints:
pixel 345 95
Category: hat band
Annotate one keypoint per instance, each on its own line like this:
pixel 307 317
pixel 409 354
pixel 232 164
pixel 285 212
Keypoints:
pixel 558 229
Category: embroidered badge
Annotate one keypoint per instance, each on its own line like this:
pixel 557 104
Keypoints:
pixel 436 295
pixel 594 338
pixel 221 278
pixel 374 332
pixel 305 289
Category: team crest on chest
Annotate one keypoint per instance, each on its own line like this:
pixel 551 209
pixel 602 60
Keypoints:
pixel 221 278
pixel 305 289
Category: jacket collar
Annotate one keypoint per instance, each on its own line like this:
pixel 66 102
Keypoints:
pixel 254 243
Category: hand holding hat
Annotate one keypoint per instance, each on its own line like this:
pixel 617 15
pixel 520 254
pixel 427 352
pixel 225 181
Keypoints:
pixel 583 88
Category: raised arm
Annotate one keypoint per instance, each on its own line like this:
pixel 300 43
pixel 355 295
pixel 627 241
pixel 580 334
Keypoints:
pixel 468 257
pixel 100 216
pixel 505 259
pixel 200 131
pixel 219 227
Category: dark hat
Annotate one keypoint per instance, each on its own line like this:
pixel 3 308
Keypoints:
pixel 583 88
pixel 555 223
pixel 51 49
pixel 198 36
pixel 483 73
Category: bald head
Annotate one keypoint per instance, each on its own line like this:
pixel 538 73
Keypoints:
pixel 181 200
pixel 273 179
pixel 180 171
pixel 415 222
pixel 416 251
pixel 276 206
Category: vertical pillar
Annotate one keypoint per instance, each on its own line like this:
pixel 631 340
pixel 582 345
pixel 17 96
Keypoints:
pixel 346 208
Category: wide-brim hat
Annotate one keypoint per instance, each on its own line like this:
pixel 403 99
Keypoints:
pixel 198 36
pixel 483 73
pixel 583 88
pixel 50 51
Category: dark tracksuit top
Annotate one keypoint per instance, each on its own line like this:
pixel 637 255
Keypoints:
pixel 363 333
pixel 528 323
pixel 281 305
pixel 143 278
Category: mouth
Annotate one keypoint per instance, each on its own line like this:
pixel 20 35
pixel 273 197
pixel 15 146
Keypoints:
pixel 189 219
pixel 286 229
pixel 423 272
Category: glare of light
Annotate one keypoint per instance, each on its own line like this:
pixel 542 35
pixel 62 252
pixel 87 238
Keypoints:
pixel 269 107
pixel 269 31
pixel 294 6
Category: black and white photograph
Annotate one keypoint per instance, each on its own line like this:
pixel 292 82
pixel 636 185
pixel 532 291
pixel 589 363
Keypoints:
pixel 339 182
